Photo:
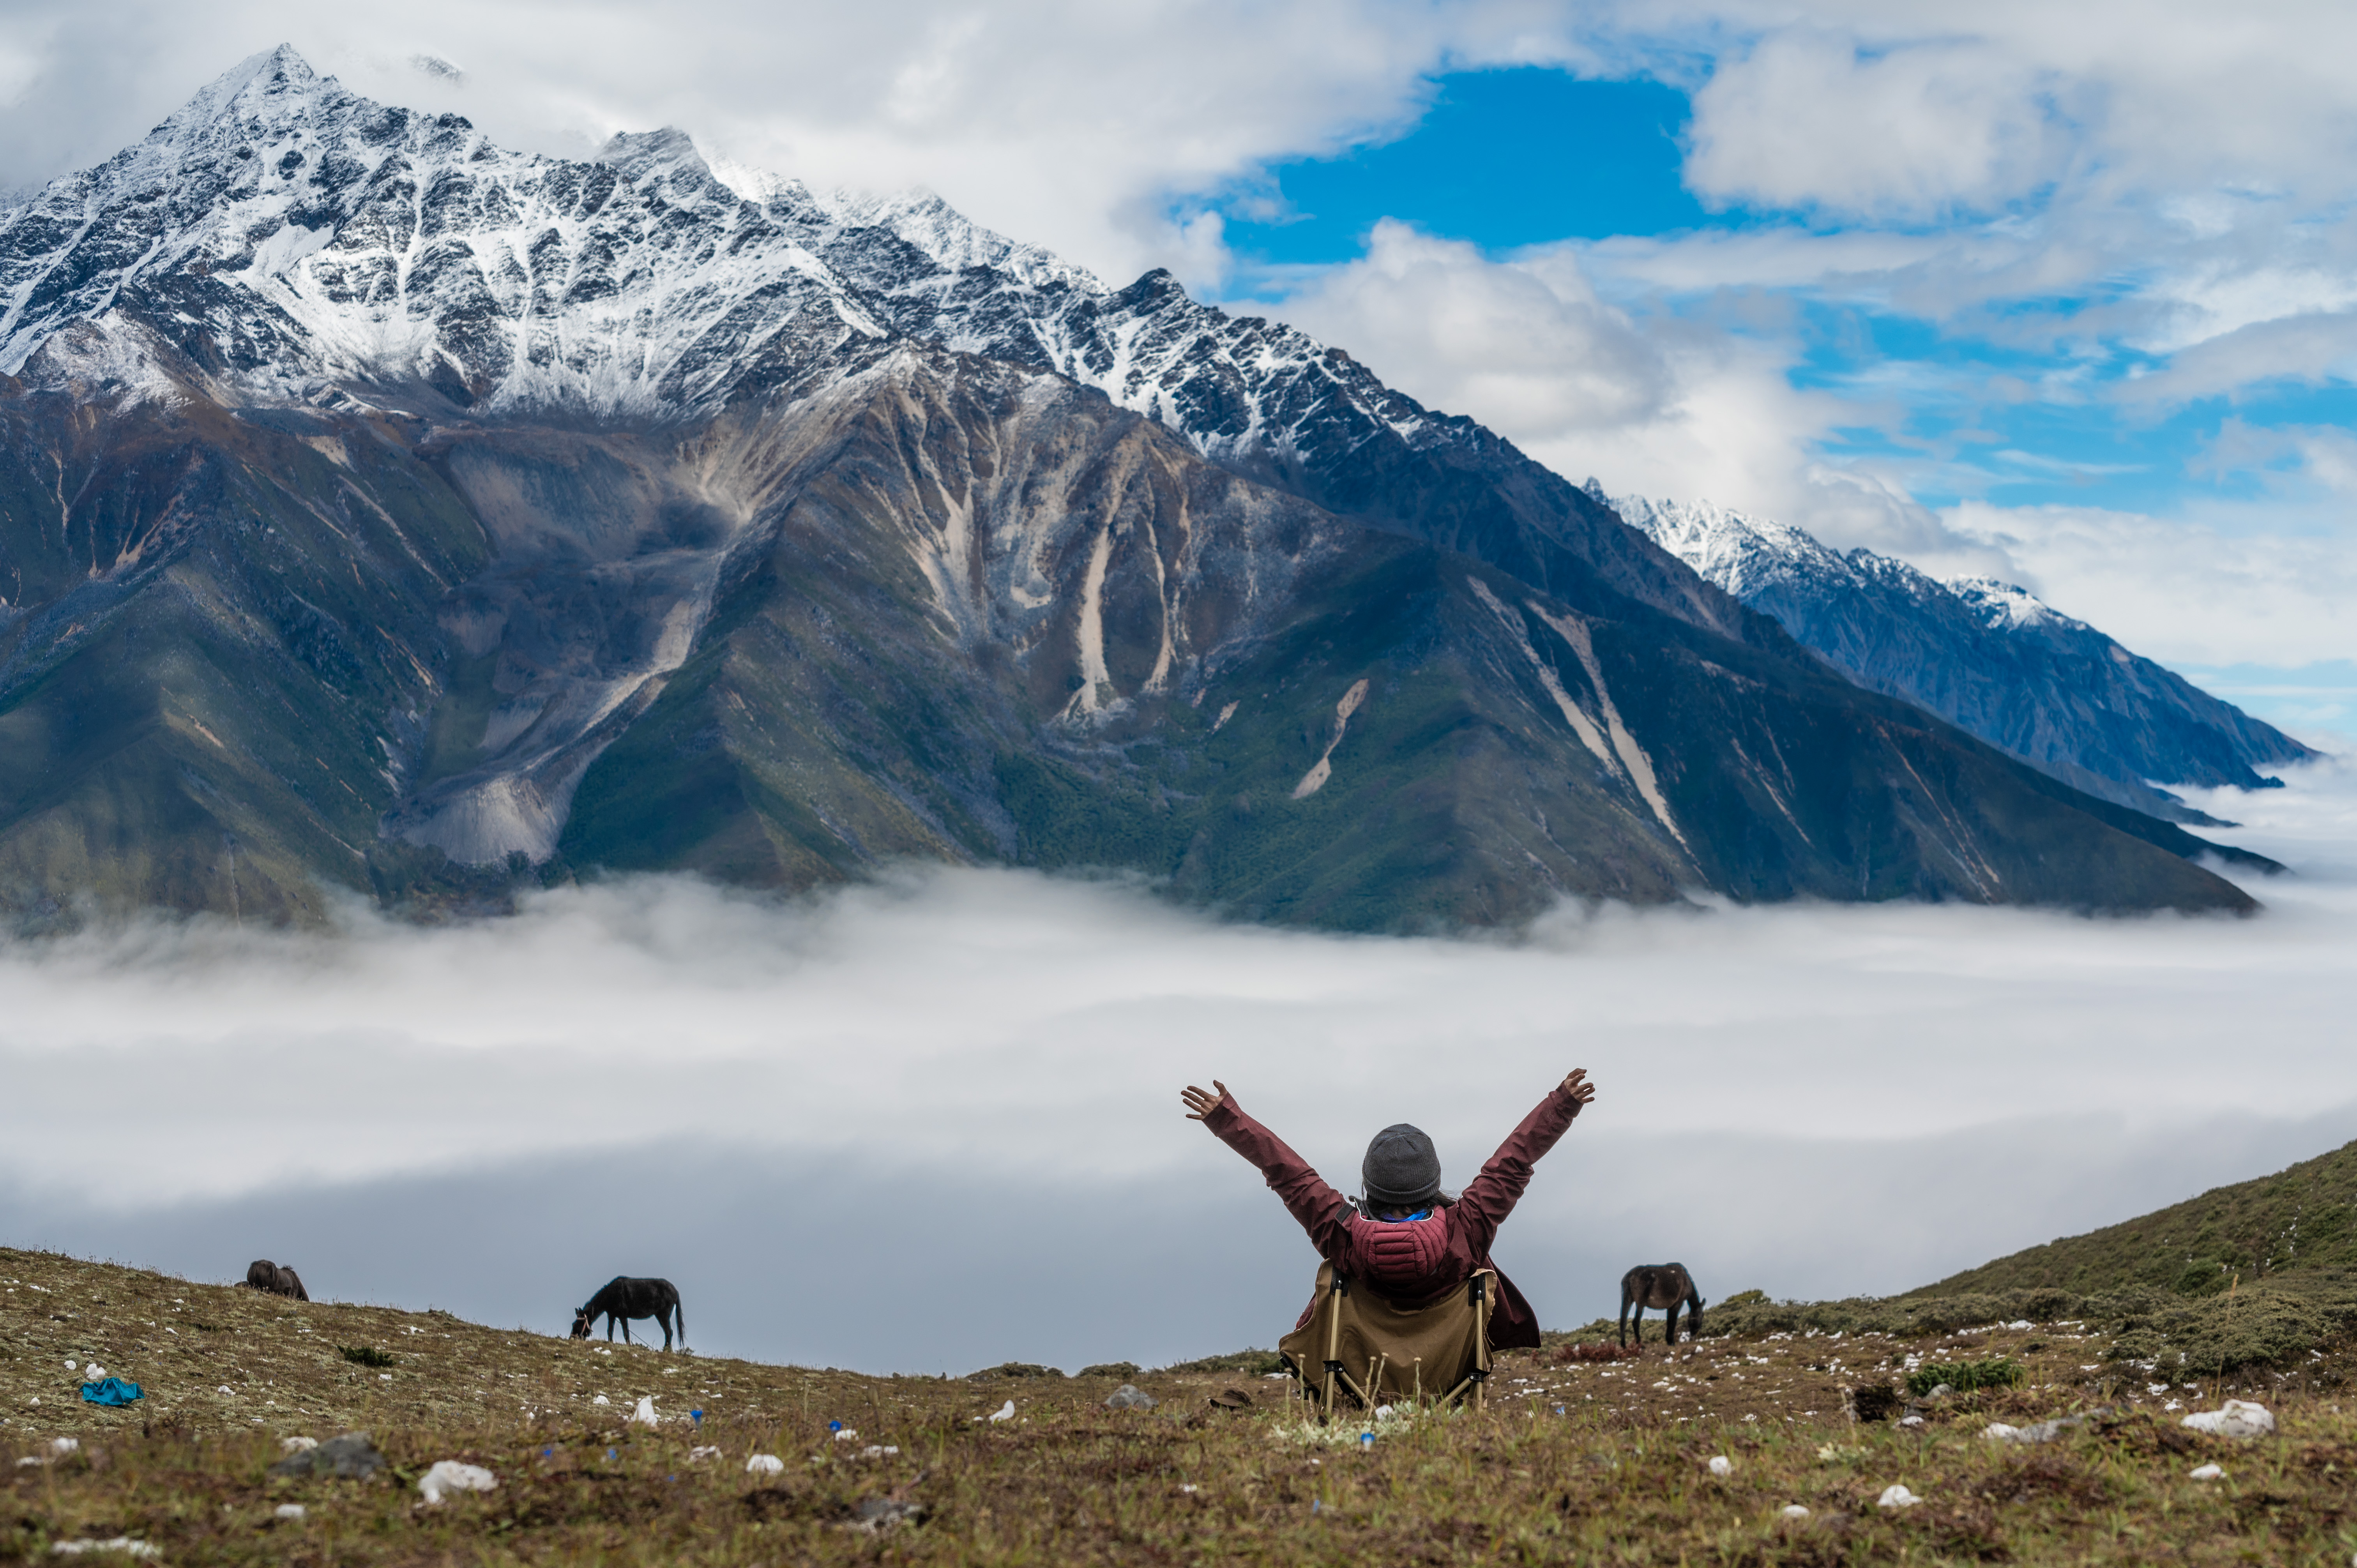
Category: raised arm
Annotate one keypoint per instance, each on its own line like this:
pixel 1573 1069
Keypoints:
pixel 1307 1197
pixel 1492 1195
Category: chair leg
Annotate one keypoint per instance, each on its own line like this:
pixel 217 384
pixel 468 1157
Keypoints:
pixel 1333 1343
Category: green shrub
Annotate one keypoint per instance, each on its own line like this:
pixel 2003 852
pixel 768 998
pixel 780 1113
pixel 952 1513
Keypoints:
pixel 365 1356
pixel 1016 1369
pixel 1986 1373
pixel 1258 1363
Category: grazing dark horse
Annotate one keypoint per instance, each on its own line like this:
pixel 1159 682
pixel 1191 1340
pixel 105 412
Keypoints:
pixel 623 1299
pixel 1667 1286
pixel 275 1278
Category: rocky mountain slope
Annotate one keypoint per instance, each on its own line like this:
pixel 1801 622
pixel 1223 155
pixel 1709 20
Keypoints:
pixel 1984 655
pixel 383 509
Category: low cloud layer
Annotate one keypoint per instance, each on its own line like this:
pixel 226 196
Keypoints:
pixel 825 1118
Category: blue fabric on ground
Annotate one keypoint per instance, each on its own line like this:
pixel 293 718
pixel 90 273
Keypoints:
pixel 113 1391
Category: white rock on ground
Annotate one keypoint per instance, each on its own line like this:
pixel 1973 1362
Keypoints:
pixel 764 1465
pixel 2209 1473
pixel 1795 1510
pixel 1721 1465
pixel 1003 1413
pixel 291 1510
pixel 296 1445
pixel 2235 1418
pixel 645 1415
pixel 1896 1497
pixel 448 1476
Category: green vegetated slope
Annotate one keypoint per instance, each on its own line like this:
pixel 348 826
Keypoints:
pixel 2259 1274
pixel 2292 1228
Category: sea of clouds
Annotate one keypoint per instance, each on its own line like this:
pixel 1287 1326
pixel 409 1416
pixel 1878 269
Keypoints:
pixel 932 1123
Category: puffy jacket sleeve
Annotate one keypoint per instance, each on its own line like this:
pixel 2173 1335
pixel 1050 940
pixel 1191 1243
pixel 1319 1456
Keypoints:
pixel 1492 1195
pixel 1305 1195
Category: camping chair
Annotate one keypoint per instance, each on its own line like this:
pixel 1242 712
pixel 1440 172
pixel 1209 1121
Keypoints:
pixel 1368 1350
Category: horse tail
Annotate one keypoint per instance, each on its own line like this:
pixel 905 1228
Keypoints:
pixel 679 1317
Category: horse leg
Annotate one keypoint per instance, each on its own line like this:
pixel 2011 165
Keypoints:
pixel 662 1320
pixel 1670 1321
pixel 1624 1319
pixel 609 1328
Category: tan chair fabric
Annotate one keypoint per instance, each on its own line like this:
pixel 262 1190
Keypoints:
pixel 1440 1351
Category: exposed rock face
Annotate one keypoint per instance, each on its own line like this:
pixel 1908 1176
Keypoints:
pixel 1256 396
pixel 1985 655
pixel 376 504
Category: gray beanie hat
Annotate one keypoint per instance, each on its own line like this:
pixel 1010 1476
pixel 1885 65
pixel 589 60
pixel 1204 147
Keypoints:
pixel 1400 1171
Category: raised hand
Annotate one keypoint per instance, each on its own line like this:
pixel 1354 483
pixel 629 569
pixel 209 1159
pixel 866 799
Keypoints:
pixel 1576 1084
pixel 1199 1104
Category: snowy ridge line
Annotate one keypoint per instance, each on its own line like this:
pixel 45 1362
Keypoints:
pixel 393 247
pixel 1989 656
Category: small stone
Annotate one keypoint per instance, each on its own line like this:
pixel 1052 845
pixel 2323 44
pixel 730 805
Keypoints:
pixel 351 1457
pixel 291 1510
pixel 1941 1392
pixel 1130 1397
pixel 296 1445
pixel 1721 1465
pixel 2209 1473
pixel 1896 1497
pixel 764 1465
pixel 1794 1511
pixel 877 1515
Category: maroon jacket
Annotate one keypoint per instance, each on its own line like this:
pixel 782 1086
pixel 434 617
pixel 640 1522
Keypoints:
pixel 1411 1262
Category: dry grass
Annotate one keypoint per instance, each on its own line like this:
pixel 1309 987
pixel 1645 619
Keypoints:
pixel 1574 1460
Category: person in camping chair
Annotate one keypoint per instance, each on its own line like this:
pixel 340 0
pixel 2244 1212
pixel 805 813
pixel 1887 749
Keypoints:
pixel 1406 1239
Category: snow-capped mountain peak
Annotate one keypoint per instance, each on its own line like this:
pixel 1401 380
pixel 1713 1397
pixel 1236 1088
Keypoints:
pixel 2007 607
pixel 1987 655
pixel 1742 554
pixel 304 241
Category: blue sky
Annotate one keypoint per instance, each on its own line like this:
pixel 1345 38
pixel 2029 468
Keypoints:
pixel 1504 158
pixel 1517 158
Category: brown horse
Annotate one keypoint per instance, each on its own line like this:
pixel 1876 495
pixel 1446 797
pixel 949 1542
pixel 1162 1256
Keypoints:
pixel 1667 1286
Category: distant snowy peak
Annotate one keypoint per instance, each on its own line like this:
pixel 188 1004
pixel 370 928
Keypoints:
pixel 2004 607
pixel 1989 656
pixel 1741 554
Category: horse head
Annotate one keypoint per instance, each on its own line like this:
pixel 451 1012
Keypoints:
pixel 581 1316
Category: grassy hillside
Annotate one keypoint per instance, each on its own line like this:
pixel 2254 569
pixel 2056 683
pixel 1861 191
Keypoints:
pixel 2293 1229
pixel 1601 1461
